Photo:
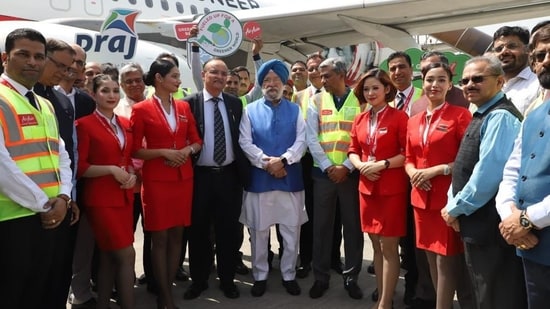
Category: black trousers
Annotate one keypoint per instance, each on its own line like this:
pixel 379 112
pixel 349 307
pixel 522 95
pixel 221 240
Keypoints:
pixel 497 275
pixel 61 271
pixel 538 289
pixel 26 259
pixel 217 198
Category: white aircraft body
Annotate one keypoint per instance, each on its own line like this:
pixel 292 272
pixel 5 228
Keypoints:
pixel 290 28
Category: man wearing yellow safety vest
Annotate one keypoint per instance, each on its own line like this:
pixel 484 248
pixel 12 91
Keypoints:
pixel 35 174
pixel 329 118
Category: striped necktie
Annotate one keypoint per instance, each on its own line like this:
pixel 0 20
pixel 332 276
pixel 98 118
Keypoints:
pixel 401 102
pixel 219 134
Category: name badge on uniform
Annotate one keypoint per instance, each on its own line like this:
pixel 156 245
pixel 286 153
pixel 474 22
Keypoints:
pixel 182 118
pixel 28 120
pixel 383 131
pixel 442 127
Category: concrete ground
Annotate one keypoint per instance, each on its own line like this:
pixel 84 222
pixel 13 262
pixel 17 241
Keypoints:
pixel 275 296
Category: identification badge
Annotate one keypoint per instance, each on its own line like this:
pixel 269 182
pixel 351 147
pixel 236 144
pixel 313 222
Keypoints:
pixel 326 112
pixel 28 120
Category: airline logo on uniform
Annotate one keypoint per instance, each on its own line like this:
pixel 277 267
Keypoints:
pixel 27 120
pixel 118 35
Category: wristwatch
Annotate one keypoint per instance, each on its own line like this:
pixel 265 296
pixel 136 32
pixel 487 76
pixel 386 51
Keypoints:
pixel 524 220
pixel 446 170
pixel 387 163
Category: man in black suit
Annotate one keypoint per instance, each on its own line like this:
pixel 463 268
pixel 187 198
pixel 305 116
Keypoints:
pixel 220 171
pixel 59 58
pixel 81 236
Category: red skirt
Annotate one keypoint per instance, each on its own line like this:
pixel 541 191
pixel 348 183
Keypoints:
pixel 384 215
pixel 166 204
pixel 113 227
pixel 433 234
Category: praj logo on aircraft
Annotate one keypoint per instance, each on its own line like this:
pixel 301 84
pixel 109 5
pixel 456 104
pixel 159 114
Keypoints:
pixel 117 34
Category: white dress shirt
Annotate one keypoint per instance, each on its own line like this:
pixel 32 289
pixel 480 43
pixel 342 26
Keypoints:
pixel 538 213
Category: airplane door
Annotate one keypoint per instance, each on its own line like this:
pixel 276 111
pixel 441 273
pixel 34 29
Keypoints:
pixel 61 5
pixel 93 7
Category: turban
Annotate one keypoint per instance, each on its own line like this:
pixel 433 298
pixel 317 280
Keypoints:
pixel 277 66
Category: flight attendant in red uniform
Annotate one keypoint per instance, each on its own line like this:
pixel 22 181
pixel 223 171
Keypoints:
pixel 104 149
pixel 165 137
pixel 377 150
pixel 433 138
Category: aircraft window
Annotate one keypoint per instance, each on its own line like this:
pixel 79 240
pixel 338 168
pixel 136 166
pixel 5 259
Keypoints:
pixel 164 5
pixel 132 2
pixel 179 7
pixel 194 10
pixel 149 3
pixel 206 10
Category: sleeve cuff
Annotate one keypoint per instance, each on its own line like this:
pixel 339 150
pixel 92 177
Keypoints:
pixel 254 57
pixel 195 49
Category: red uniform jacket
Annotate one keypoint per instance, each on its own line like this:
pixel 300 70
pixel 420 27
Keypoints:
pixel 448 125
pixel 99 146
pixel 390 138
pixel 150 126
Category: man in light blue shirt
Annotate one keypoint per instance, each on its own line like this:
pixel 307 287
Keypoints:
pixel 495 271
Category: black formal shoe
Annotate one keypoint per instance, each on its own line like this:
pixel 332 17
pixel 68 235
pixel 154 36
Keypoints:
pixel 240 268
pixel 303 271
pixel 318 289
pixel 292 287
pixel 353 289
pixel 230 290
pixel 258 289
pixel 194 290
pixel 374 295
pixel 89 304
pixel 337 267
pixel 370 269
pixel 181 274
pixel 142 279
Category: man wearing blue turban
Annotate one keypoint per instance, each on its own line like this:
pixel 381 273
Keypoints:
pixel 272 136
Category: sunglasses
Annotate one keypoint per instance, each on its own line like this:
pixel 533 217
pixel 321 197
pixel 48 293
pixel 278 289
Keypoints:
pixel 475 79
pixel 539 56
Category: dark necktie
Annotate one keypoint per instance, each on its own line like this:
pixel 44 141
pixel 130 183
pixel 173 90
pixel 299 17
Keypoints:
pixel 401 102
pixel 219 134
pixel 30 96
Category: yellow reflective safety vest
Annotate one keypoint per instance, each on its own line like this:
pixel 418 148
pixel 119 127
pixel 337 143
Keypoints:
pixel 243 101
pixel 335 125
pixel 302 98
pixel 32 140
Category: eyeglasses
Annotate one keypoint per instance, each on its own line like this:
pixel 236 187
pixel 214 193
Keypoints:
pixel 134 80
pixel 60 66
pixel 510 46
pixel 539 56
pixel 475 79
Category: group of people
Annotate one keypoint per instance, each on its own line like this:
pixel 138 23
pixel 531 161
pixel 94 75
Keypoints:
pixel 464 197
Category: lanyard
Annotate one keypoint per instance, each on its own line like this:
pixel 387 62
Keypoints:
pixel 372 139
pixel 111 130
pixel 407 100
pixel 431 126
pixel 165 121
